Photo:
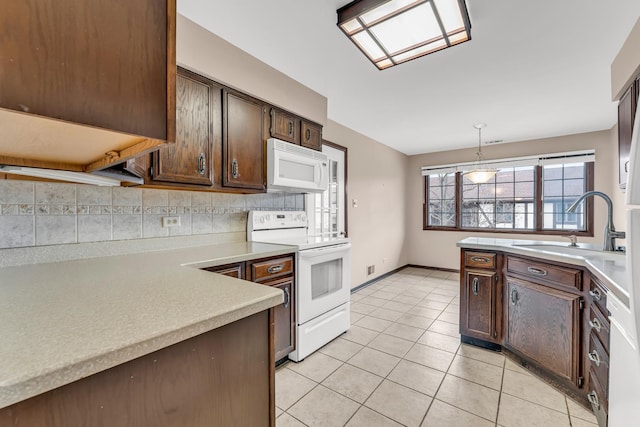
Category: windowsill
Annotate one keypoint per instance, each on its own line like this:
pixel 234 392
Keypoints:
pixel 511 231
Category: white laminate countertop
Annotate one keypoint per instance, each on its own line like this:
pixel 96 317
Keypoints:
pixel 63 321
pixel 610 267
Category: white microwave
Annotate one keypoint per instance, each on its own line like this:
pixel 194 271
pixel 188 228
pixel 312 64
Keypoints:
pixel 295 169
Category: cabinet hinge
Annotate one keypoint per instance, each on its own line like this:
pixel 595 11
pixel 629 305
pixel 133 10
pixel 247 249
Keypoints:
pixel 151 171
pixel 580 381
pixel 495 334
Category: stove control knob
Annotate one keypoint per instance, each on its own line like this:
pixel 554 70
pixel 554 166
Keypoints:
pixel 261 219
pixel 268 217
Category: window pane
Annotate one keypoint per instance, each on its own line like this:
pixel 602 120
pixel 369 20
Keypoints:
pixel 562 185
pixel 442 200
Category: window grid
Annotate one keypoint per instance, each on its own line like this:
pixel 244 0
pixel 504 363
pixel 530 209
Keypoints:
pixel 507 203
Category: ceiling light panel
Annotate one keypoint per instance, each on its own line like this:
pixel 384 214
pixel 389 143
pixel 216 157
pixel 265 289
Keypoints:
pixel 390 32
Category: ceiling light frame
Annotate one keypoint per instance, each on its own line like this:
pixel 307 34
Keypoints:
pixel 438 24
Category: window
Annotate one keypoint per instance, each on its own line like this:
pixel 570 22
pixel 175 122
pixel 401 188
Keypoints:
pixel 522 199
pixel 326 211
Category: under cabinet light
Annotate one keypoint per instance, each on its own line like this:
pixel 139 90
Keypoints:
pixel 60 175
pixel 390 32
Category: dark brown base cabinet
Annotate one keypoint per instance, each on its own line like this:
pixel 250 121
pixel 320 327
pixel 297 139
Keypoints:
pixel 543 324
pixel 279 273
pixel 535 310
pixel 224 377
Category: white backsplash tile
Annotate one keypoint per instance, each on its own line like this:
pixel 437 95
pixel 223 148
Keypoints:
pixel 55 229
pixel 40 213
pixel 17 231
pixel 17 192
pixel 50 193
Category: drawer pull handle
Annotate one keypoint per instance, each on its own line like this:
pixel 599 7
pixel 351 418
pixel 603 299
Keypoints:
pixel 308 135
pixel 595 358
pixel 595 324
pixel 593 399
pixel 596 294
pixel 476 286
pixel 537 271
pixel 514 296
pixel 290 128
pixel 287 298
pixel 275 269
pixel 480 259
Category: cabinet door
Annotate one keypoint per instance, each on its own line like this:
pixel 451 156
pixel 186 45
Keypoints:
pixel 311 135
pixel 626 113
pixel 243 142
pixel 479 311
pixel 284 319
pixel 189 160
pixel 105 64
pixel 543 324
pixel 284 126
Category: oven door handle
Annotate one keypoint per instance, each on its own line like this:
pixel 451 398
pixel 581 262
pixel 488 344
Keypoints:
pixel 335 248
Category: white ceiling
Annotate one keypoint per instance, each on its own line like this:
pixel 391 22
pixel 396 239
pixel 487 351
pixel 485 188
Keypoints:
pixel 533 69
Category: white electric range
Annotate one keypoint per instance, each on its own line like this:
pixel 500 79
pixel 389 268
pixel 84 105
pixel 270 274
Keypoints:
pixel 323 285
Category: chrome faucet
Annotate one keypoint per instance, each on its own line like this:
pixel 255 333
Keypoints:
pixel 610 233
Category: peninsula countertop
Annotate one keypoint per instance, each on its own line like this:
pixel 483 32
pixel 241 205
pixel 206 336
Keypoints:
pixel 63 321
pixel 610 267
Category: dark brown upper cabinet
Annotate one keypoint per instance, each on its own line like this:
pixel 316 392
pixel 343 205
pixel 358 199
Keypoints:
pixel 310 135
pixel 198 126
pixel 101 65
pixel 285 126
pixel 626 114
pixel 243 143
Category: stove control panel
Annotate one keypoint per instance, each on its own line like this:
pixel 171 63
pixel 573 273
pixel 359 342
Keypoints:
pixel 273 220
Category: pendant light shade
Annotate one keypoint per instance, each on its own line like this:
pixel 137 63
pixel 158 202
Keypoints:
pixel 480 174
pixel 390 32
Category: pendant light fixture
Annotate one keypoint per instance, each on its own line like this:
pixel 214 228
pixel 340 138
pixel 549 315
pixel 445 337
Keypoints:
pixel 390 32
pixel 480 174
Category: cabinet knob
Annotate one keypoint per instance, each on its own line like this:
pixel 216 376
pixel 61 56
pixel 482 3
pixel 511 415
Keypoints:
pixel 476 286
pixel 234 168
pixel 202 164
pixel 307 135
pixel 287 298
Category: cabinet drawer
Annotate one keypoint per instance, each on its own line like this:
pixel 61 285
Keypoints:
pixel 270 269
pixel 598 295
pixel 480 260
pixel 599 362
pixel 599 325
pixel 232 270
pixel 542 272
pixel 597 398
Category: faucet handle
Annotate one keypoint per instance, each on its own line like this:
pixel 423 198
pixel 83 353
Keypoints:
pixel 574 240
pixel 618 235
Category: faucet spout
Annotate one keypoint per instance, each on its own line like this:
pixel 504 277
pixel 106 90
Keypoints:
pixel 610 233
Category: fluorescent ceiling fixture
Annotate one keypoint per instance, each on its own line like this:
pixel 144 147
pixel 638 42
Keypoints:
pixel 390 32
pixel 78 177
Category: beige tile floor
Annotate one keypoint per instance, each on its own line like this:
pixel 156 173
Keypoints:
pixel 401 364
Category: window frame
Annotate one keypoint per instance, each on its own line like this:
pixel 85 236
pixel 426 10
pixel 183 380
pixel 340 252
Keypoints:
pixel 538 206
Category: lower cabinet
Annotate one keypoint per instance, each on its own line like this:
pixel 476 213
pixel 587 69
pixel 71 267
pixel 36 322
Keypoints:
pixel 480 306
pixel 543 324
pixel 223 377
pixel 276 272
pixel 284 319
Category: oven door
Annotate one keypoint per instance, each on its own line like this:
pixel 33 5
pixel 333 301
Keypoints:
pixel 323 280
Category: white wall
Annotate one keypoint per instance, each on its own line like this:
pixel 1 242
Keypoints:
pixel 438 248
pixel 376 179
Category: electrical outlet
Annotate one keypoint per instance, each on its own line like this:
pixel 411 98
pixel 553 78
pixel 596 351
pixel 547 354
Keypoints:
pixel 371 269
pixel 170 221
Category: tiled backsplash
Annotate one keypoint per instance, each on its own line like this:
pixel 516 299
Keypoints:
pixel 38 213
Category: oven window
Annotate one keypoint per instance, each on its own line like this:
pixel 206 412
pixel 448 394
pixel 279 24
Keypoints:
pixel 326 278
